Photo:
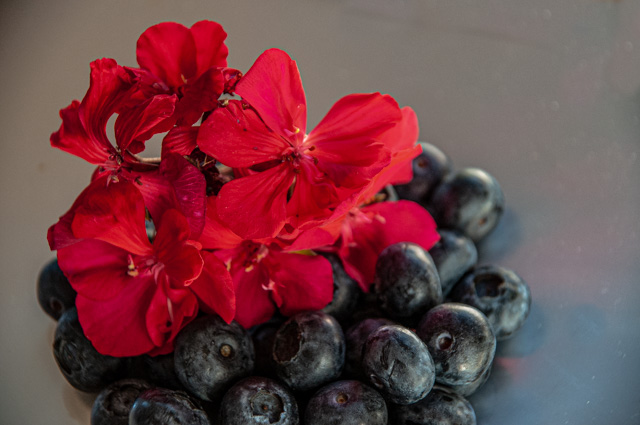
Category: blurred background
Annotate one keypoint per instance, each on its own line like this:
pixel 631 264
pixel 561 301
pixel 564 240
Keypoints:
pixel 543 94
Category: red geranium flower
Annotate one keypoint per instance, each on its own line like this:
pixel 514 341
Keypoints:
pixel 134 296
pixel 190 62
pixel 264 277
pixel 343 151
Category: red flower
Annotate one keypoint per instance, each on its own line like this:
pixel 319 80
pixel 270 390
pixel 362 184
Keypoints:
pixel 189 62
pixel 135 296
pixel 265 278
pixel 113 90
pixel 344 150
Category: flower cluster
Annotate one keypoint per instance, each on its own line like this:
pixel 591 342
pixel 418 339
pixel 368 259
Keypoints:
pixel 233 217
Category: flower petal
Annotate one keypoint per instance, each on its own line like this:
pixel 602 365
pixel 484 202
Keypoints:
pixel 114 214
pixel 274 88
pixel 180 140
pixel 346 141
pixel 253 299
pixel 238 138
pixel 96 270
pixel 72 138
pixel 135 126
pixel 209 39
pixel 200 95
pixel 182 260
pixel 254 207
pixel 117 327
pixel 300 282
pixel 215 235
pixel 214 288
pixel 385 223
pixel 168 51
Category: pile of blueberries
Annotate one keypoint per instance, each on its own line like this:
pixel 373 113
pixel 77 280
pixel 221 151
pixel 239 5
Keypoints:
pixel 407 353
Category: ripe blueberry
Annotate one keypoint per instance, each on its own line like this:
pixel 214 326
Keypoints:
pixel 469 201
pixel 441 406
pixel 461 343
pixel 428 170
pixel 355 337
pixel 309 350
pixel 453 255
pixel 210 355
pixel 55 294
pixel 398 364
pixel 167 407
pixel 500 294
pixel 113 405
pixel 346 402
pixel 256 401
pixel 345 292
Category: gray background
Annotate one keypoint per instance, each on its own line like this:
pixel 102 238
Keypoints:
pixel 542 93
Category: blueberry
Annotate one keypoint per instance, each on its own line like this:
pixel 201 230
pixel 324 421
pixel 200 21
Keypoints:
pixel 355 338
pixel 263 336
pixel 161 371
pixel 428 170
pixel 346 402
pixel 406 281
pixel 257 401
pixel 453 255
pixel 441 406
pixel 398 364
pixel 55 293
pixel 210 355
pixel 309 350
pixel 469 201
pixel 461 343
pixel 80 363
pixel 114 403
pixel 500 294
pixel 167 407
pixel 345 292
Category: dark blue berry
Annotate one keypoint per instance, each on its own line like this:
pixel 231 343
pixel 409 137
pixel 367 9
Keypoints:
pixel 263 336
pixel 210 355
pixel 346 402
pixel 461 343
pixel 161 371
pixel 80 363
pixel 398 364
pixel 355 337
pixel 406 281
pixel 55 294
pixel 160 406
pixel 469 201
pixel 345 292
pixel 453 255
pixel 428 170
pixel 309 350
pixel 114 403
pixel 440 407
pixel 257 401
pixel 500 294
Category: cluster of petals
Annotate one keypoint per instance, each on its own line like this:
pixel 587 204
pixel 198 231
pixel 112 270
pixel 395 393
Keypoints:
pixel 251 245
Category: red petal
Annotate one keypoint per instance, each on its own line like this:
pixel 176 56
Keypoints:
pixel 114 214
pixel 117 327
pixel 168 51
pixel 216 235
pixel 136 125
pixel 388 223
pixel 254 207
pixel 273 87
pixel 72 138
pixel 96 270
pixel 214 288
pixel 176 184
pixel 210 48
pixel 347 139
pixel 253 300
pixel 200 95
pixel 180 140
pixel 182 260
pixel 109 91
pixel 301 282
pixel 238 138
pixel 169 311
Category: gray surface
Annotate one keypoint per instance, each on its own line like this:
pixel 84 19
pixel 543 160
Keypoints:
pixel 543 94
